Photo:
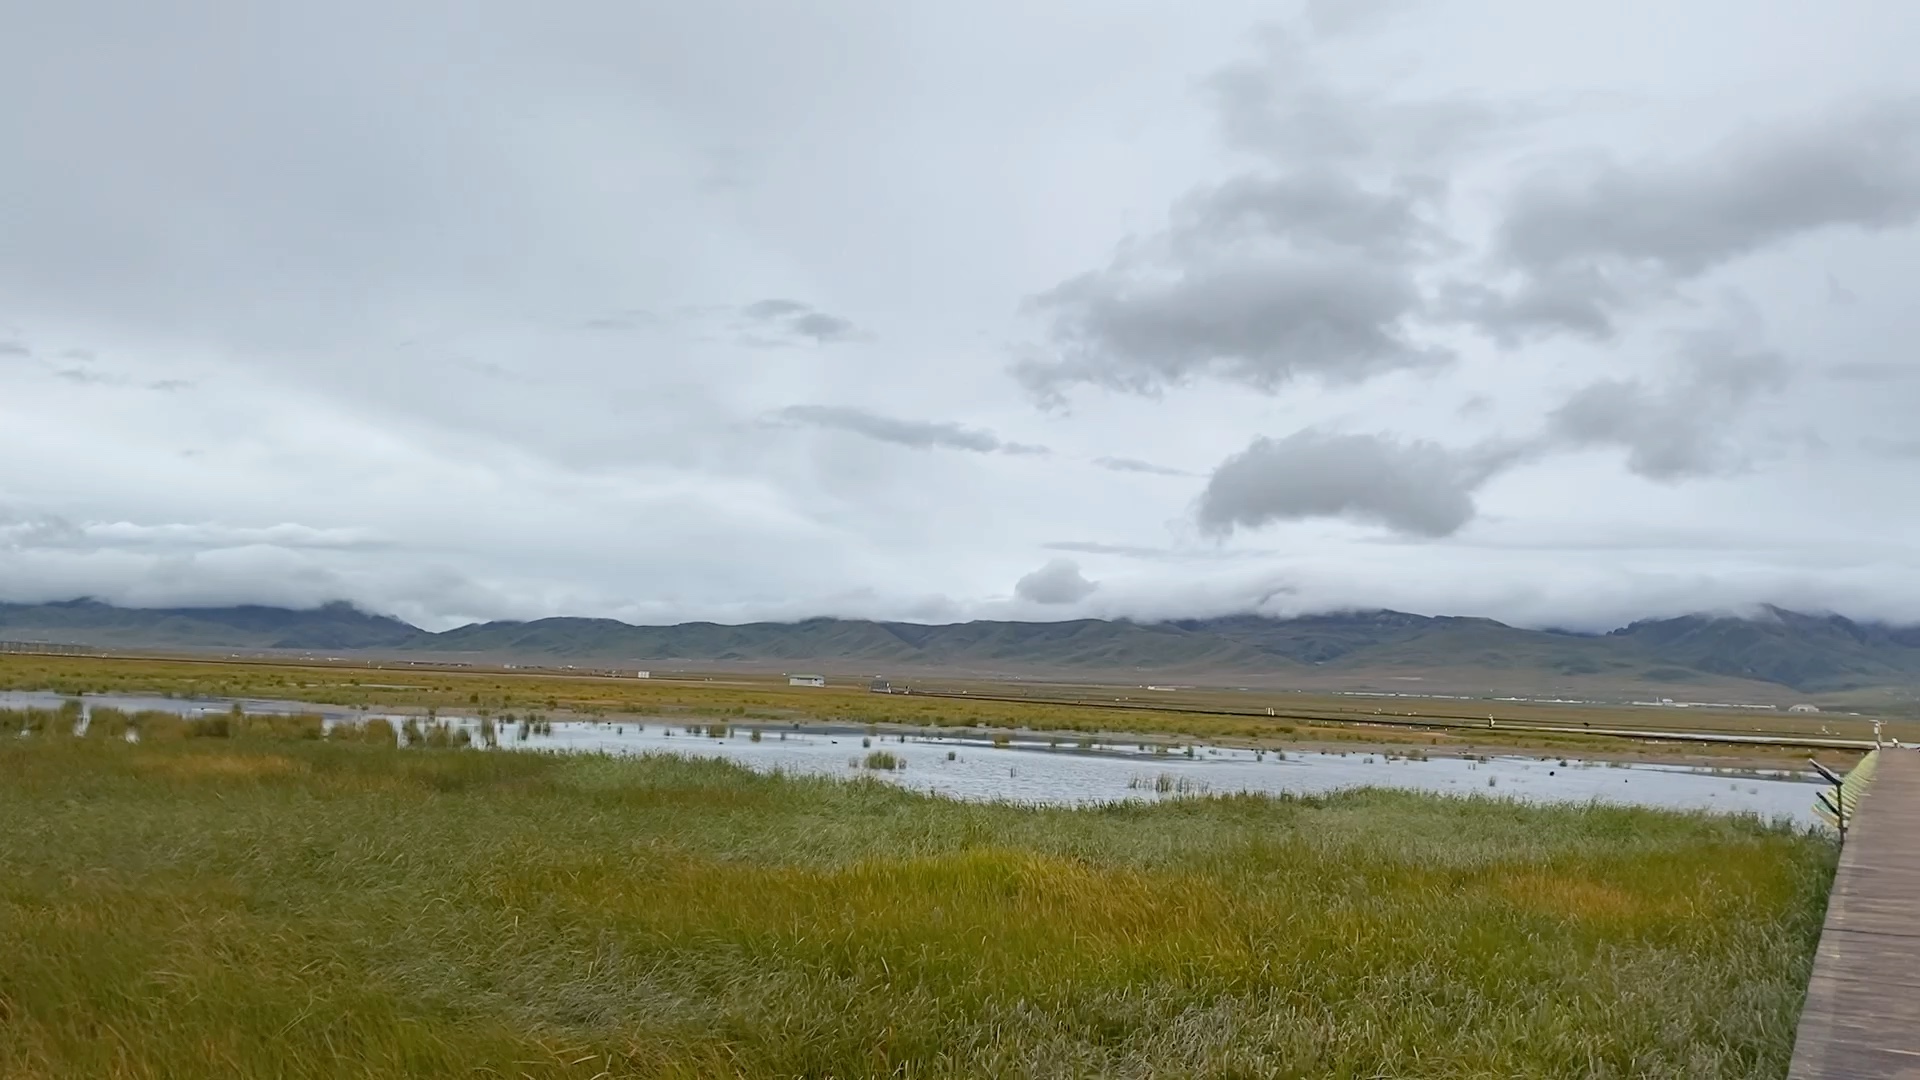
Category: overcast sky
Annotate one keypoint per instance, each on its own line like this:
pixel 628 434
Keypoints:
pixel 1560 313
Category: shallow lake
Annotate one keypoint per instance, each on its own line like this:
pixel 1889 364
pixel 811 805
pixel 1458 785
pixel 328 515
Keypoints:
pixel 967 764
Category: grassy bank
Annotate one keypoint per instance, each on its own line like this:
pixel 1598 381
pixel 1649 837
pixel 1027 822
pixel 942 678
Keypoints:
pixel 1303 720
pixel 294 907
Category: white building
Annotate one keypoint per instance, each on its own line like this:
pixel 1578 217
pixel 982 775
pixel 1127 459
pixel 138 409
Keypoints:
pixel 806 680
pixel 643 674
pixel 1803 707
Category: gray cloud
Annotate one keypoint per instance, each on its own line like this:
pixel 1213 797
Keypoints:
pixel 1277 105
pixel 1135 465
pixel 403 297
pixel 1578 301
pixel 1095 547
pixel 1671 431
pixel 20 532
pixel 1257 321
pixel 1332 18
pixel 1589 238
pixel 1058 582
pixel 1905 449
pixel 1415 487
pixel 1305 267
pixel 1679 429
pixel 86 376
pixel 1871 371
pixel 774 309
pixel 48 531
pixel 823 328
pixel 628 319
pixel 14 348
pixel 1211 553
pixel 1315 209
pixel 919 434
pixel 791 320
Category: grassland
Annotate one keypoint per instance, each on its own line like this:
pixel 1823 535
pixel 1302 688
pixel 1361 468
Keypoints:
pixel 270 904
pixel 1206 715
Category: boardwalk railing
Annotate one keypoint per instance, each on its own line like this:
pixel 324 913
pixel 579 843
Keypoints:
pixel 1836 807
pixel 1862 1014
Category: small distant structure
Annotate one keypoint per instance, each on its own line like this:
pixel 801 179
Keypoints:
pixel 47 648
pixel 1803 707
pixel 806 680
pixel 880 686
pixel 643 674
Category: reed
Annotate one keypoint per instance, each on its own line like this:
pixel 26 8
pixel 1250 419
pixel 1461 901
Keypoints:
pixel 312 908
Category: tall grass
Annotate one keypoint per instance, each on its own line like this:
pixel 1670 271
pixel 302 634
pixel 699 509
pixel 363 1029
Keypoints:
pixel 59 723
pixel 376 730
pixel 302 908
pixel 106 722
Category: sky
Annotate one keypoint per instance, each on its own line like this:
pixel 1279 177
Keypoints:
pixel 1563 314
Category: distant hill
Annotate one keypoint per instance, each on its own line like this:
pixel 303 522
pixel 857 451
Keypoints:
pixel 337 625
pixel 1688 656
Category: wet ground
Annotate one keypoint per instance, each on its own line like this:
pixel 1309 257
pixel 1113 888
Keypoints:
pixel 981 765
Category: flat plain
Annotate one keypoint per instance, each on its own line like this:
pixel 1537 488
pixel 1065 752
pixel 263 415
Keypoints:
pixel 1221 715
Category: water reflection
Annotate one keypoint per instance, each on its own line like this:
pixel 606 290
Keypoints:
pixel 980 765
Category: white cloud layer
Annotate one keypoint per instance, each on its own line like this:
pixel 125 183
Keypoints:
pixel 742 311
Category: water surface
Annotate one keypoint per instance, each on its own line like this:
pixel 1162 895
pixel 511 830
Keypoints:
pixel 970 765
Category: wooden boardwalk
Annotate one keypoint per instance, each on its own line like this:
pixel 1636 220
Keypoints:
pixel 1862 1017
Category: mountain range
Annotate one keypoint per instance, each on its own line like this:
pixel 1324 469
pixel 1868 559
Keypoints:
pixel 1773 650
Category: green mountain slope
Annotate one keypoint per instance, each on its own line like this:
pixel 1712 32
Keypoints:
pixel 337 625
pixel 1813 653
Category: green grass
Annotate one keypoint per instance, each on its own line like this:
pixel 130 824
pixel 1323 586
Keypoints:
pixel 298 908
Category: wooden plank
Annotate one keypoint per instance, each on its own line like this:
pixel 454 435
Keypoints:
pixel 1862 1017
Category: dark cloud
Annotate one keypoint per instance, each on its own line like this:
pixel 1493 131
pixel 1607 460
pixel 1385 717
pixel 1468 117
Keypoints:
pixel 1135 465
pixel 1578 301
pixel 791 320
pixel 1307 266
pixel 774 309
pixel 1415 487
pixel 1260 321
pixel 823 328
pixel 919 434
pixel 1058 582
pixel 1587 239
pixel 1314 209
pixel 14 348
pixel 1679 429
